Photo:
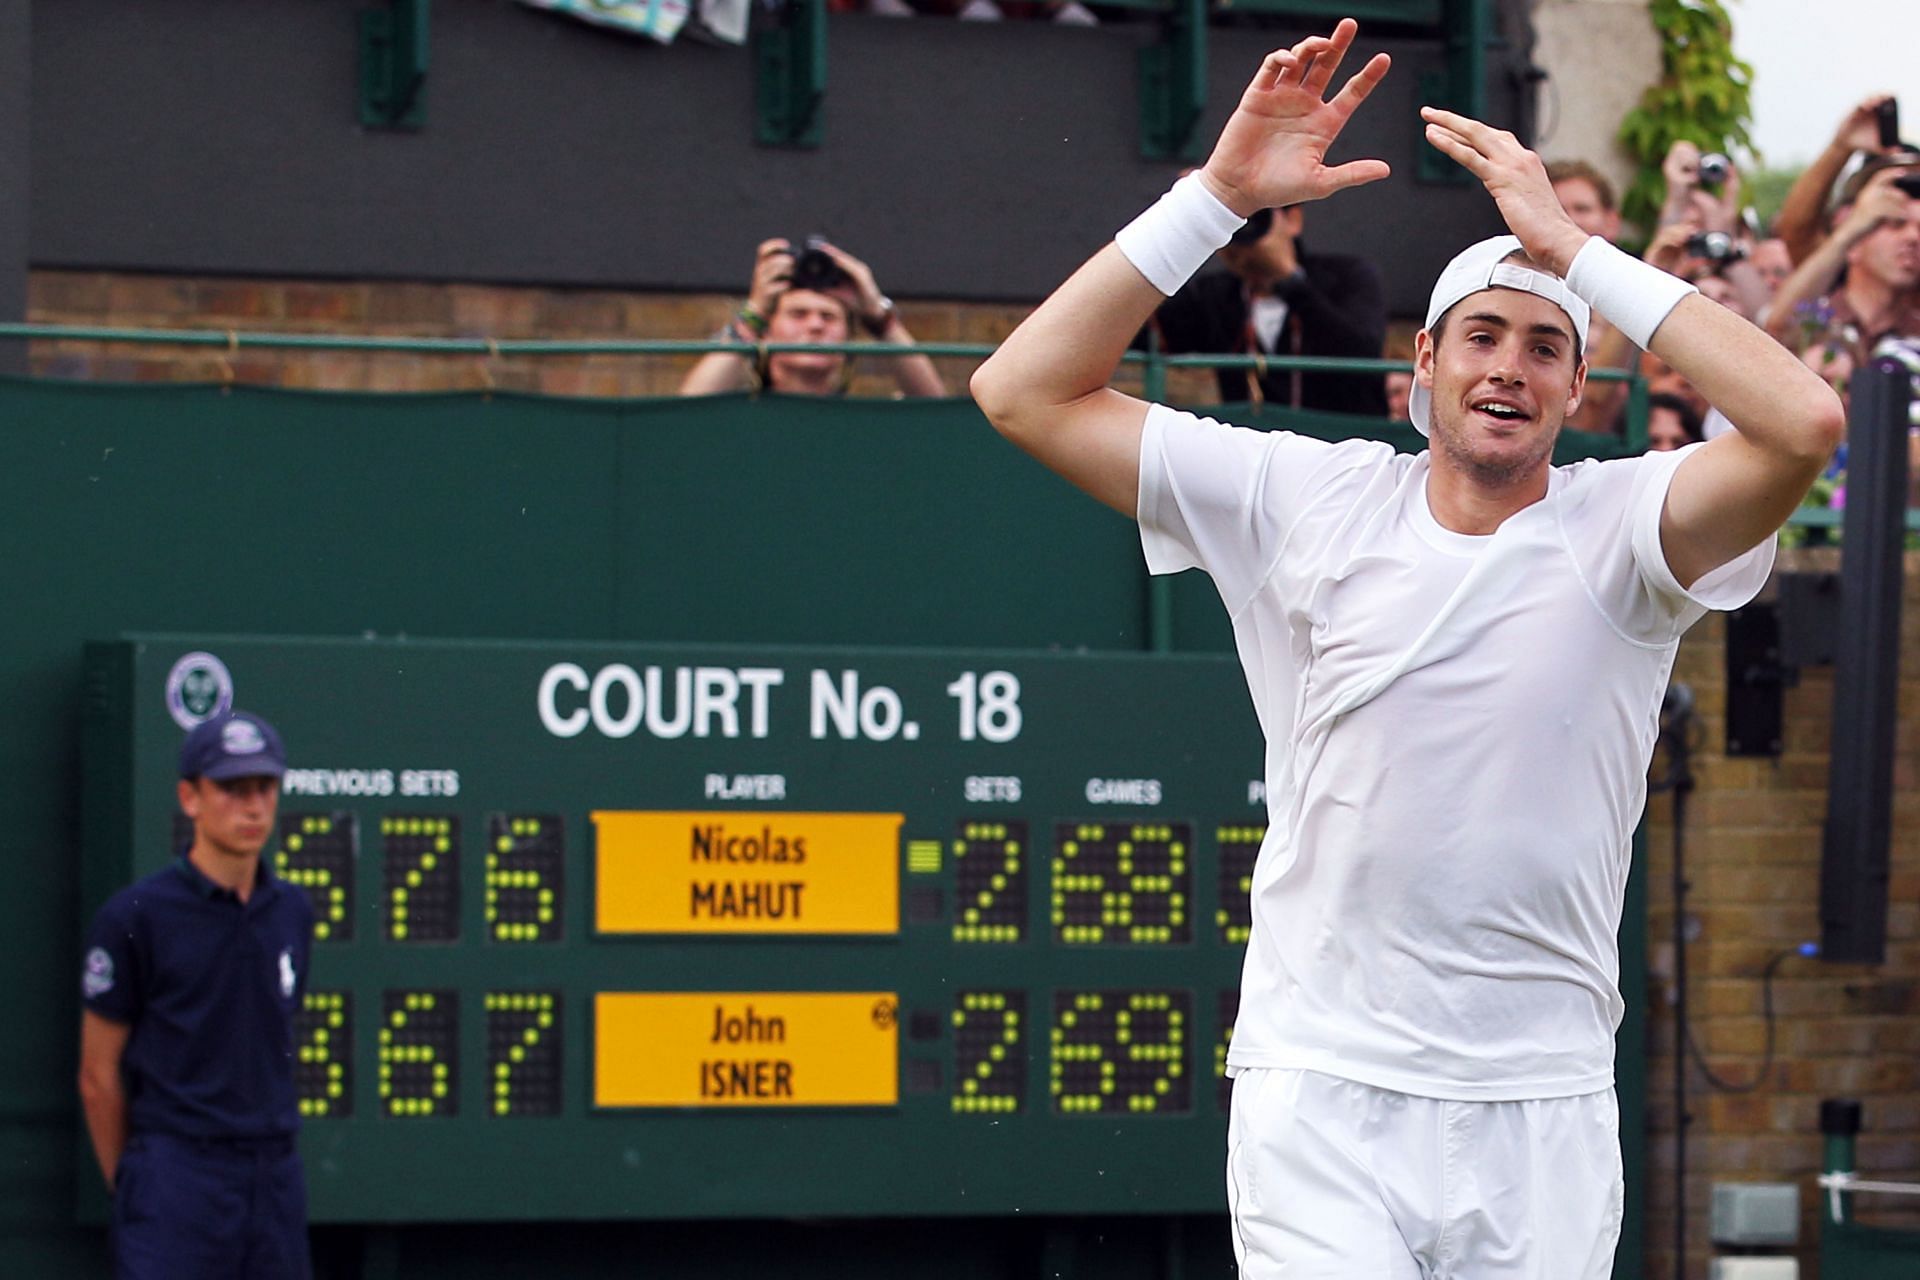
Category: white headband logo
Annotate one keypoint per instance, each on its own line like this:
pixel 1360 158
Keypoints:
pixel 1511 275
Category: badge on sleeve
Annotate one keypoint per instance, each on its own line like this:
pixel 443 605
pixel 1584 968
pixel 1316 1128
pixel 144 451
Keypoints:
pixel 97 979
pixel 286 974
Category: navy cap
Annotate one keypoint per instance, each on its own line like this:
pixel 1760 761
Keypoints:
pixel 237 745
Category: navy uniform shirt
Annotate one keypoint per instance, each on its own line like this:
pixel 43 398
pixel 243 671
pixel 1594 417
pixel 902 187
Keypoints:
pixel 209 986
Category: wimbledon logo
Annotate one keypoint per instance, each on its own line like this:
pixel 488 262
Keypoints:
pixel 199 687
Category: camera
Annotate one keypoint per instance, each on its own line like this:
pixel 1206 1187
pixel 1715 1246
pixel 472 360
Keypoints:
pixel 1714 170
pixel 1714 246
pixel 1887 116
pixel 812 268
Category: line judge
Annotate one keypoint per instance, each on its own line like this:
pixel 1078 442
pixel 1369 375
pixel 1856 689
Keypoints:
pixel 190 984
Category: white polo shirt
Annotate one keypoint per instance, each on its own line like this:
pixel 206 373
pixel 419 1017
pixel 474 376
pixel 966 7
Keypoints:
pixel 1458 730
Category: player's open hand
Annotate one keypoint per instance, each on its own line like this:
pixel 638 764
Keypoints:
pixel 1517 181
pixel 1274 148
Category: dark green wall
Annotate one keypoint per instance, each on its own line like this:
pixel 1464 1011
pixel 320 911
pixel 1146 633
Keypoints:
pixel 269 512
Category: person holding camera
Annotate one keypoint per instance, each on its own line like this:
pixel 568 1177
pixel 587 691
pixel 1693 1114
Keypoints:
pixel 1876 241
pixel 1872 128
pixel 815 294
pixel 1703 196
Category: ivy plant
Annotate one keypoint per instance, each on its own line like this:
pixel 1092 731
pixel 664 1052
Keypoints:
pixel 1704 95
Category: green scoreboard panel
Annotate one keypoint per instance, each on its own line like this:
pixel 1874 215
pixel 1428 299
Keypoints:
pixel 616 931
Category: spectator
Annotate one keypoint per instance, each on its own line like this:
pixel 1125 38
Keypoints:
pixel 1588 199
pixel 1717 245
pixel 815 296
pixel 1587 196
pixel 1672 423
pixel 1861 284
pixel 1278 298
pixel 1774 264
pixel 1875 240
pixel 1800 223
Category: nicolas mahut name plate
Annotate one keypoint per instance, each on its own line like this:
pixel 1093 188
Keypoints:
pixel 747 872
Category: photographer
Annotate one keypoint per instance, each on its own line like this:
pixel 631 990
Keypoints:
pixel 817 295
pixel 1872 128
pixel 1876 241
pixel 1703 195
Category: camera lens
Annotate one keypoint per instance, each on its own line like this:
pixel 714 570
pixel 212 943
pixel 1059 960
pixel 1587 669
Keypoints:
pixel 1715 246
pixel 1714 169
pixel 813 269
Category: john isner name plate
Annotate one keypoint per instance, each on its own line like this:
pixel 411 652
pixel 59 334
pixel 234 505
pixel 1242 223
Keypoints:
pixel 746 1049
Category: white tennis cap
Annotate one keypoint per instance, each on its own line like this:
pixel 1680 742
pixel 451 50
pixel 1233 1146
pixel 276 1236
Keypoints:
pixel 1485 266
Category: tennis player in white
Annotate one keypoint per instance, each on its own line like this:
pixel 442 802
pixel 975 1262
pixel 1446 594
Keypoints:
pixel 1457 659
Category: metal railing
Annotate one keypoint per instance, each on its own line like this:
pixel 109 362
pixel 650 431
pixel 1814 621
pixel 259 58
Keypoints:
pixel 238 340
pixel 1154 363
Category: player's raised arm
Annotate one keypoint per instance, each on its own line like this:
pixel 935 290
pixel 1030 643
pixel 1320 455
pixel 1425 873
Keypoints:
pixel 1739 488
pixel 1046 388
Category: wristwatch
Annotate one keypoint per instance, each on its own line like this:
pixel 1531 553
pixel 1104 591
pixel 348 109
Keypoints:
pixel 877 325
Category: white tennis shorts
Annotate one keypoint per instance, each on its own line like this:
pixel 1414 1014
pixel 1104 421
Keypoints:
pixel 1332 1180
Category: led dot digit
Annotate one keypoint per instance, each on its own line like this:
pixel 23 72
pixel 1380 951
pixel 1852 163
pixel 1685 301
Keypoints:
pixel 523 1053
pixel 1127 883
pixel 525 853
pixel 990 882
pixel 323 1054
pixel 419 1044
pixel 1120 1051
pixel 1239 849
pixel 989 1060
pixel 422 876
pixel 1229 1009
pixel 316 853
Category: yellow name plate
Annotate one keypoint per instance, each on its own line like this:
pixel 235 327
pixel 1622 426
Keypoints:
pixel 746 1049
pixel 747 872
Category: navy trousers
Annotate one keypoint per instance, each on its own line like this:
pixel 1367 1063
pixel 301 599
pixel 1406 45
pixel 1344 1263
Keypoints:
pixel 203 1210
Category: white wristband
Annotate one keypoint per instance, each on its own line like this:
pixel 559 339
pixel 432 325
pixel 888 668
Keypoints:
pixel 1177 234
pixel 1633 295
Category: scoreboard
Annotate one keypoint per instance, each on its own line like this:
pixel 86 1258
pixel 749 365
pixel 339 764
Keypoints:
pixel 621 931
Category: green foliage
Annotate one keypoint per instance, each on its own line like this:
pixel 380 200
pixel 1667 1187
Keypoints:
pixel 1704 95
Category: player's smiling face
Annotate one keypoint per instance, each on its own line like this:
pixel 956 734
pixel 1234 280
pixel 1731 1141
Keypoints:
pixel 1503 373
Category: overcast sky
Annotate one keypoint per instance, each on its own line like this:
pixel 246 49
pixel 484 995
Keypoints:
pixel 1814 59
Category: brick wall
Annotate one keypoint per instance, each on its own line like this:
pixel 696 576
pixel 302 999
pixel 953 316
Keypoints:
pixel 1753 834
pixel 405 309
